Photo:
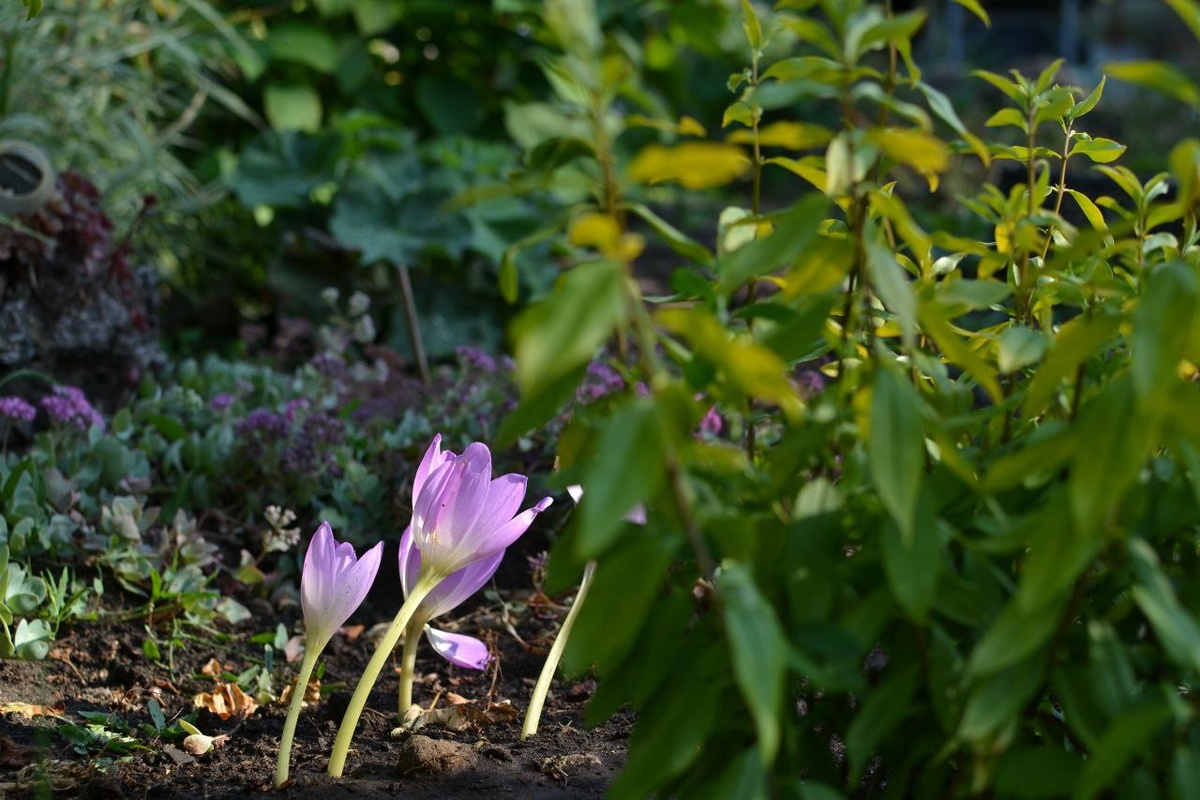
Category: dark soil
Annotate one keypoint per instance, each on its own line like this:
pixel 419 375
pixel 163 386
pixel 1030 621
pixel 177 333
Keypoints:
pixel 101 667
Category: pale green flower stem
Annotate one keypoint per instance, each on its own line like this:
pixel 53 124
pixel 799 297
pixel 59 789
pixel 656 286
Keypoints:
pixel 533 715
pixel 408 660
pixel 426 581
pixel 289 726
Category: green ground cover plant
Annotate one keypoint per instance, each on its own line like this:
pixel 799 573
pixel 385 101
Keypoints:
pixel 914 458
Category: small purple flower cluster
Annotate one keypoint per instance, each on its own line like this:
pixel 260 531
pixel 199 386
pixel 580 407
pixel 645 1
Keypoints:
pixel 712 424
pixel 474 358
pixel 303 441
pixel 16 409
pixel 221 402
pixel 68 406
pixel 601 380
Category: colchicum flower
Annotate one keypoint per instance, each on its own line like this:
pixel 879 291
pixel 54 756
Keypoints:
pixel 333 584
pixel 463 520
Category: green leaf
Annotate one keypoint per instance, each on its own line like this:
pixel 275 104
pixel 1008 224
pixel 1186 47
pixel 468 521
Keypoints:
pixel 1127 739
pixel 538 407
pixel 997 699
pixel 303 43
pixel 914 565
pixel 794 232
pixel 975 8
pixel 1015 636
pixel 1101 151
pixel 883 709
pixel 1088 103
pixel 957 351
pixel 752 27
pixel 1008 116
pixel 292 107
pixel 559 333
pixel 632 444
pixel 1174 626
pixel 1118 439
pixel 759 651
pixel 895 290
pixel 896 449
pixel 1090 210
pixel 1156 75
pixel 676 239
pixel 1020 347
pixel 628 579
pixel 1037 772
pixel 1075 342
pixel 1167 310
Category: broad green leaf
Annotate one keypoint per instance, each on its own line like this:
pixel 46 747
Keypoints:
pixel 896 449
pixel 963 295
pixel 896 29
pixel 894 289
pixel 1054 105
pixel 632 444
pixel 1017 634
pixel 1174 626
pixel 1041 772
pixel 559 333
pixel 884 708
pixel 1101 151
pixel 814 790
pixel 1156 75
pixel 1166 311
pixel 695 165
pixel 1088 103
pixel 1075 342
pixel 913 567
pixel 1127 740
pixel 997 699
pixel 977 9
pixel 759 651
pixel 1020 347
pixel 575 26
pixel 292 107
pixel 1010 89
pixel 1114 440
pixel 793 233
pixel 1090 210
pixel 941 105
pixel 752 27
pixel 957 351
pixel 628 579
pixel 1008 116
pixel 304 43
pixel 1185 773
pixel 1058 555
pixel 743 777
pixel 743 365
pixel 1039 456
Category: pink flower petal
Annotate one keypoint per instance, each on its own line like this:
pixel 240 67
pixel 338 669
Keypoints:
pixel 333 583
pixel 451 591
pixel 460 650
pixel 434 458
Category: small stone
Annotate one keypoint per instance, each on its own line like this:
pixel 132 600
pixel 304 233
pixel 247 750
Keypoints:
pixel 423 754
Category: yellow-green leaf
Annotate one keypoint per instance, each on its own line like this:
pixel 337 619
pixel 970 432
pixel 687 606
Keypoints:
pixel 695 165
pixel 792 135
pixel 921 151
pixel 975 8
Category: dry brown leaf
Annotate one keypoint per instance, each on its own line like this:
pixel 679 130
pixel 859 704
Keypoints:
pixel 226 700
pixel 312 692
pixel 32 710
pixel 214 669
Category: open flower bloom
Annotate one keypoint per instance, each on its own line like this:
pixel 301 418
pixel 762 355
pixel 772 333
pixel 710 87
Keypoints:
pixel 460 650
pixel 461 515
pixel 334 583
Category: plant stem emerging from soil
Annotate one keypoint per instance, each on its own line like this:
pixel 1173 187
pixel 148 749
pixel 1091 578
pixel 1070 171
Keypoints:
pixel 533 714
pixel 408 660
pixel 289 726
pixel 426 581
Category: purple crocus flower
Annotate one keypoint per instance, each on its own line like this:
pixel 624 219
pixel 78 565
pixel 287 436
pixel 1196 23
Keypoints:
pixel 458 649
pixel 334 583
pixel 461 515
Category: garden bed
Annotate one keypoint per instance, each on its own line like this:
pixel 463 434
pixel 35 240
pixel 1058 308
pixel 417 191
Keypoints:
pixel 98 684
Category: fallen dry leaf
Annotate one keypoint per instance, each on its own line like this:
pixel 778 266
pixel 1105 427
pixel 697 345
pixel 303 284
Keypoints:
pixel 15 756
pixel 214 669
pixel 312 692
pixel 32 710
pixel 226 700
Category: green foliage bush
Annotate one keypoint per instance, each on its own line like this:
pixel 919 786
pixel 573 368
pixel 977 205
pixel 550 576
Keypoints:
pixel 966 564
